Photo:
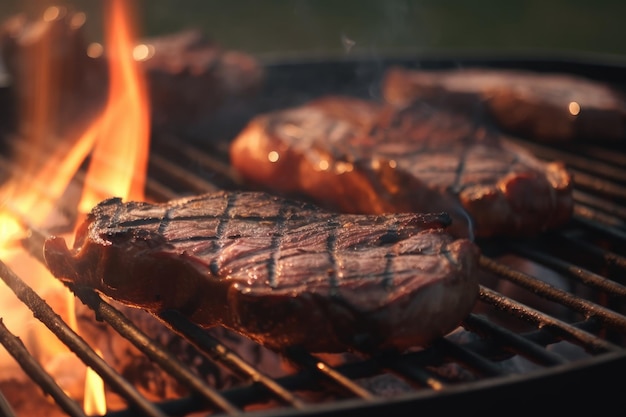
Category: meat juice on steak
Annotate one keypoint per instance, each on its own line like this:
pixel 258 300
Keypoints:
pixel 421 158
pixel 528 103
pixel 281 272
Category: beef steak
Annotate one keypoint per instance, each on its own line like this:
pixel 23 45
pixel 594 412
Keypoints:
pixel 545 106
pixel 421 158
pixel 280 272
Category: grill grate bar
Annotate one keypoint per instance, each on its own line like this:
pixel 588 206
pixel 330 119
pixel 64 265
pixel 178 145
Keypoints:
pixel 158 191
pixel 218 352
pixel 468 357
pixel 578 164
pixel 604 155
pixel 566 331
pixel 512 342
pixel 590 213
pixel 401 366
pixel 36 372
pixel 180 176
pixel 254 393
pixel 177 407
pixel 585 307
pixel 201 159
pixel 309 361
pixel 583 275
pixel 600 204
pixel 5 407
pixel 609 258
pixel 600 228
pixel 599 186
pixel 153 350
pixel 43 312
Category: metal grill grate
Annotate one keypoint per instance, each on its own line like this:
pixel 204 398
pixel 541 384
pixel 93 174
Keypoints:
pixel 532 340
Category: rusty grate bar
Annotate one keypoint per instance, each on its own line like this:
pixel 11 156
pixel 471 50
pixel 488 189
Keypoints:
pixel 581 305
pixel 582 211
pixel 512 342
pixel 568 332
pixel 44 313
pixel 153 350
pixel 36 372
pixel 254 393
pixel 585 276
pixel 599 185
pixel 309 361
pixel 608 257
pixel 600 204
pixel 218 352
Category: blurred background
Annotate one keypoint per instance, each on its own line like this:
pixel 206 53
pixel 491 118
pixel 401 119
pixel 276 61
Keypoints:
pixel 370 27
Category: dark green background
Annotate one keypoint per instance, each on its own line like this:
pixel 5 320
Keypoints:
pixel 378 26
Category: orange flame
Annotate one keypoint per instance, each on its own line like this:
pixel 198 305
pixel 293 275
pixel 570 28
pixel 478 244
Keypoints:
pixel 119 160
pixel 118 139
pixel 94 401
pixel 117 142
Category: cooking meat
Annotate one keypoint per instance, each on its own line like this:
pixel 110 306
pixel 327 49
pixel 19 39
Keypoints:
pixel 281 272
pixel 544 106
pixel 421 158
pixel 191 77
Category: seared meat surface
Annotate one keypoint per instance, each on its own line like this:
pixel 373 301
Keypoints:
pixel 421 158
pixel 280 272
pixel 545 106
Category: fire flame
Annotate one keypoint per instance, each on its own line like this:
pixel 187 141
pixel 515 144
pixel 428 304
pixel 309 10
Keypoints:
pixel 119 160
pixel 117 142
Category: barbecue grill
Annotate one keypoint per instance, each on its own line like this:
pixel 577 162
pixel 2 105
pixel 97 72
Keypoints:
pixel 529 343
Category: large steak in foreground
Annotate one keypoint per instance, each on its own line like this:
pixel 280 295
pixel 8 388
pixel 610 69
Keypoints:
pixel 281 272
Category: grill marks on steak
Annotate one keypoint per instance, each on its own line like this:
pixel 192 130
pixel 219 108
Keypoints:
pixel 281 272
pixel 421 158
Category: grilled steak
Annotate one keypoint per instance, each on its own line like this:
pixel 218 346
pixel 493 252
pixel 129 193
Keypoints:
pixel 191 77
pixel 545 106
pixel 280 272
pixel 421 158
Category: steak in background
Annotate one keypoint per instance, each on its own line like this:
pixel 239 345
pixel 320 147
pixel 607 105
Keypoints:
pixel 281 272
pixel 531 104
pixel 73 84
pixel 190 77
pixel 357 156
